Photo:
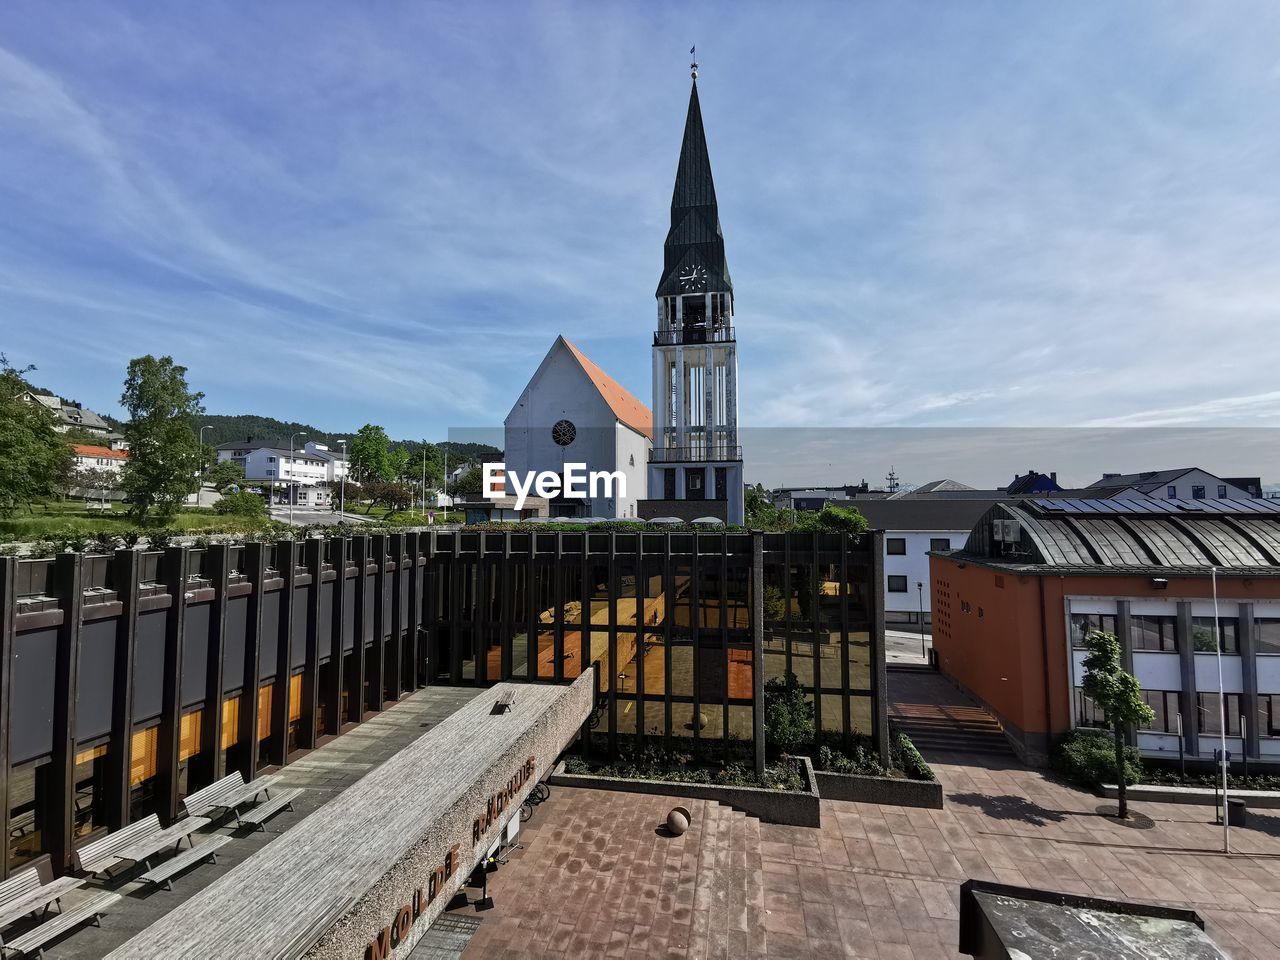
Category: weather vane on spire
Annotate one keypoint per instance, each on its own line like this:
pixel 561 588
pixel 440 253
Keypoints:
pixel 693 67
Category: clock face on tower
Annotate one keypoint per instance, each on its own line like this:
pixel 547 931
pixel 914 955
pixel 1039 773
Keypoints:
pixel 693 278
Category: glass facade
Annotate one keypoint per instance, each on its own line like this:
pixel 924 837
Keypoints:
pixel 667 620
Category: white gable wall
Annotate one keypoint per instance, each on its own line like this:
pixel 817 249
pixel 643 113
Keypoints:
pixel 561 390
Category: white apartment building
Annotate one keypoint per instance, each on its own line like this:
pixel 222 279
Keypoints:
pixel 305 475
pixel 336 466
pixel 912 530
pixel 89 457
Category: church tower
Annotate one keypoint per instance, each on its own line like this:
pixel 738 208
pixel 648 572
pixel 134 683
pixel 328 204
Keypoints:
pixel 695 465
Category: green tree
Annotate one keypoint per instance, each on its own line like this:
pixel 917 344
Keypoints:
pixel 164 453
pixel 833 519
pixel 370 455
pixel 399 461
pixel 788 715
pixel 468 485
pixel 223 474
pixel 34 457
pixel 1116 693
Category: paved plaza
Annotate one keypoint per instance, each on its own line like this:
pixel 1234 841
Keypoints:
pixel 596 877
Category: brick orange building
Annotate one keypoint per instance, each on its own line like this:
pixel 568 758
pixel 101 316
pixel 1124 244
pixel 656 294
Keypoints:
pixel 1035 576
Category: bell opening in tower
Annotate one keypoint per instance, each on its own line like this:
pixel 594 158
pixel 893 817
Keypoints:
pixel 694 310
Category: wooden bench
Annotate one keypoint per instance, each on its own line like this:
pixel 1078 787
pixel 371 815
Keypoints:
pixel 28 893
pixel 164 874
pixel 258 816
pixel 138 842
pixel 37 938
pixel 227 794
pixel 145 849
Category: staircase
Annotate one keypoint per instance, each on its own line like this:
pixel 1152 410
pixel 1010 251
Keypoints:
pixel 939 718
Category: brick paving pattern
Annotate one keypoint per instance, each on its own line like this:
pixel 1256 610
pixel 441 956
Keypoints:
pixel 596 877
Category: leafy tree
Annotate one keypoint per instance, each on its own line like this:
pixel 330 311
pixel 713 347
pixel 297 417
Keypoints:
pixel 34 457
pixel 96 479
pixel 468 485
pixel 394 496
pixel 833 519
pixel 1116 693
pixel 223 474
pixel 399 461
pixel 164 453
pixel 370 455
pixel 788 715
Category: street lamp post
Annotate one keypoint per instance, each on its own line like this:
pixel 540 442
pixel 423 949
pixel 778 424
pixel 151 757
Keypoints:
pixel 920 593
pixel 199 485
pixel 342 495
pixel 293 471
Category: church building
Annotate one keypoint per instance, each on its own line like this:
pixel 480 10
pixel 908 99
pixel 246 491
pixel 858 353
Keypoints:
pixel 695 466
pixel 573 412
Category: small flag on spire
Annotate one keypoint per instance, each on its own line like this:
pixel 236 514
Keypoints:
pixel 691 49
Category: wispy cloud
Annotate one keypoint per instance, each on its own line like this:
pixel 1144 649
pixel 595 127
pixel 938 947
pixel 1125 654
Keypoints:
pixel 953 216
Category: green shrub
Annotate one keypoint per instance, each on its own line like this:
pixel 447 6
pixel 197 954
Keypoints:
pixel 788 715
pixel 907 758
pixel 1088 758
pixel 859 756
pixel 242 504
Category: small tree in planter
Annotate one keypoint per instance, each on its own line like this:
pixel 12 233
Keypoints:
pixel 1115 691
pixel 788 715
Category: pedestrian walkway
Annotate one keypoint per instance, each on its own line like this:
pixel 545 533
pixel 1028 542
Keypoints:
pixel 939 718
pixel 325 772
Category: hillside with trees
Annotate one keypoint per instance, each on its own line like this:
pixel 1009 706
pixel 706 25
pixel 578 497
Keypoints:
pixel 269 431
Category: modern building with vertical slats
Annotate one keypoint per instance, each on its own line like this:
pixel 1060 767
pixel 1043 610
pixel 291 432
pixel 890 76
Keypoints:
pixel 1012 609
pixel 130 680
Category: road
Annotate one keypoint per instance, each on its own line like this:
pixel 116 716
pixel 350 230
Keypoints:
pixel 903 646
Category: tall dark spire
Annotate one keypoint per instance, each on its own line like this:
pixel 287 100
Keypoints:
pixel 694 237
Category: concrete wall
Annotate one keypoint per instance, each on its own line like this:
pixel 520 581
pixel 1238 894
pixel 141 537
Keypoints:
pixel 543 737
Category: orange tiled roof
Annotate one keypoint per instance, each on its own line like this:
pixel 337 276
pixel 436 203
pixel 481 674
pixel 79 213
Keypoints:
pixel 625 407
pixel 106 453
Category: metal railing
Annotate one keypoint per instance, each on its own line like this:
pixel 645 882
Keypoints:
pixel 720 333
pixel 695 454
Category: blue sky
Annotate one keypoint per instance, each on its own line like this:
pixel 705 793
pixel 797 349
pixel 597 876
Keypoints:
pixel 935 214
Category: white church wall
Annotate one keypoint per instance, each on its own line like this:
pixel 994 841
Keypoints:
pixel 633 461
pixel 560 390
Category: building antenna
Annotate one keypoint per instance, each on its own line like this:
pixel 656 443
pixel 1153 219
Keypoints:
pixel 693 67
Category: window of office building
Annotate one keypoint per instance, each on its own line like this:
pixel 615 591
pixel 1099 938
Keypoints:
pixel 1172 492
pixel 897 584
pixel 1197 492
pixel 1154 634
pixel 895 546
pixel 1222 491
pixel 1203 631
pixel 939 543
pixel 1164 704
pixel 1266 635
pixel 1269 714
pixel 1088 713
pixel 1083 624
pixel 1211 714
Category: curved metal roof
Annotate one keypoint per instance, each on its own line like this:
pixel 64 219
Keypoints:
pixel 1133 534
